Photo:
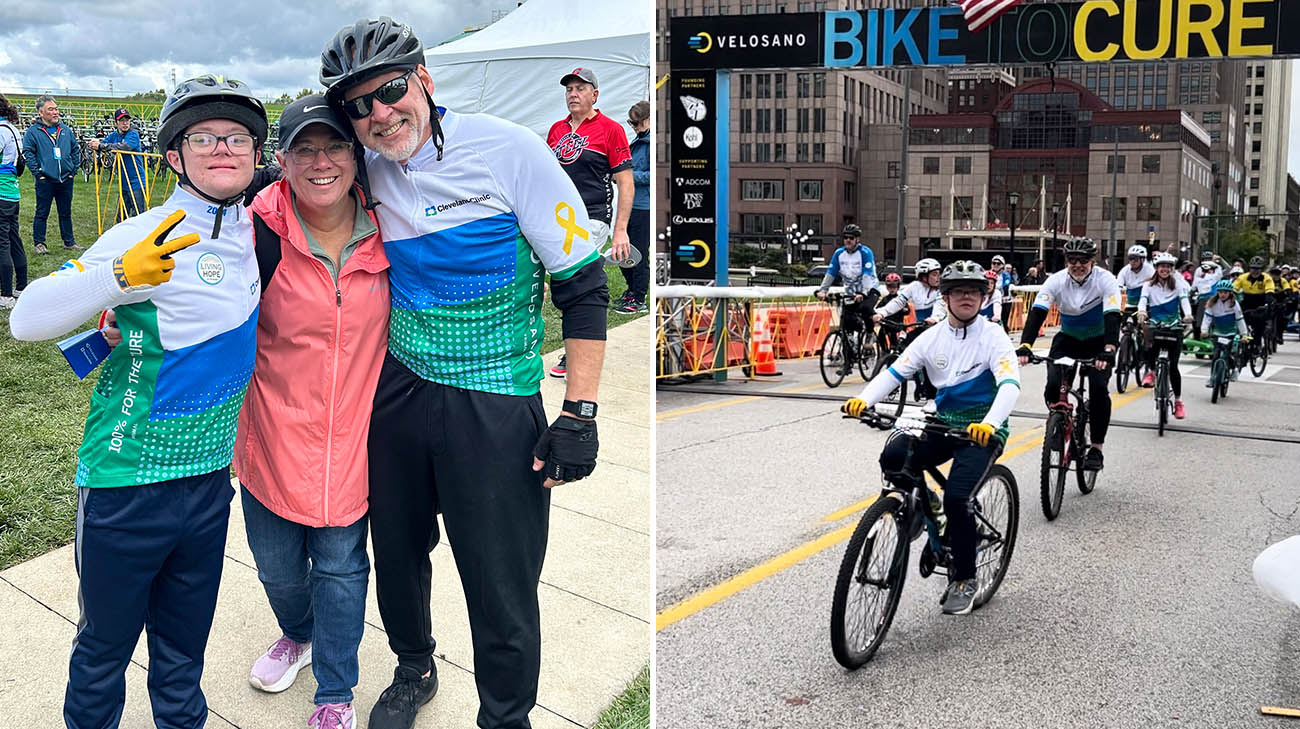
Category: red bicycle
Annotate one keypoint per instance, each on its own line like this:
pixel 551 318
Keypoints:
pixel 1065 442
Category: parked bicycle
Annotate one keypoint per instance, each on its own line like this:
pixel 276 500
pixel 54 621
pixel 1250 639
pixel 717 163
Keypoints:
pixel 1224 365
pixel 1163 337
pixel 1065 439
pixel 874 568
pixel 841 350
pixel 1129 359
pixel 920 384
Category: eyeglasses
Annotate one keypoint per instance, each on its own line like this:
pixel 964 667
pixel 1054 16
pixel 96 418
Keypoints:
pixel 337 152
pixel 966 293
pixel 206 143
pixel 388 94
pixel 1077 260
pixel 850 237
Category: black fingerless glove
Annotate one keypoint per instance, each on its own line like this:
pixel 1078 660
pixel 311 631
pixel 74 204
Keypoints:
pixel 568 448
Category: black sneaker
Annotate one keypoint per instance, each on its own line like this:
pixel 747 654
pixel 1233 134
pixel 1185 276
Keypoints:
pixel 398 704
pixel 1093 461
pixel 621 302
pixel 960 598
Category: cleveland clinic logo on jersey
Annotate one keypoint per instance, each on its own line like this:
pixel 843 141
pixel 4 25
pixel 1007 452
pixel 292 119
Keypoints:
pixel 436 208
pixel 570 147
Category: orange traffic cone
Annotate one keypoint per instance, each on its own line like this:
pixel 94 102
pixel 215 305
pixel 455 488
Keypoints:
pixel 763 355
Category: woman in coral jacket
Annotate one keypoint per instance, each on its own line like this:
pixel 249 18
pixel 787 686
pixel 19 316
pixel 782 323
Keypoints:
pixel 301 449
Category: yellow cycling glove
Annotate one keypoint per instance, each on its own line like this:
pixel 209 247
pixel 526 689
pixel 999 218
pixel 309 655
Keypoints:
pixel 854 406
pixel 149 263
pixel 980 433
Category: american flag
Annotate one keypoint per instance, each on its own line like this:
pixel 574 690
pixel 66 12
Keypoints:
pixel 979 13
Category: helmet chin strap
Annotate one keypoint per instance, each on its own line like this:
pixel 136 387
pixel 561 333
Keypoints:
pixel 184 179
pixel 435 120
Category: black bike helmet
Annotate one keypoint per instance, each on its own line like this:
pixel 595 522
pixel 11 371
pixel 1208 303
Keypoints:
pixel 209 97
pixel 1081 247
pixel 852 229
pixel 1257 262
pixel 962 273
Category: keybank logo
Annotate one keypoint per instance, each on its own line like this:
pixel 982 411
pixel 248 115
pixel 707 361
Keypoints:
pixel 701 42
pixel 431 211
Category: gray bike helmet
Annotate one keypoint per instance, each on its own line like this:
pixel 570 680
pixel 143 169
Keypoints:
pixel 959 273
pixel 209 97
pixel 926 265
pixel 1081 247
pixel 1257 262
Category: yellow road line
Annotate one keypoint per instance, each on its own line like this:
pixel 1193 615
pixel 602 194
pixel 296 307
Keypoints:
pixel 667 414
pixel 754 575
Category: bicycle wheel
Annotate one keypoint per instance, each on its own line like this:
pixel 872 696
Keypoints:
pixel 1086 480
pixel 1162 396
pixel 834 348
pixel 867 358
pixel 997 519
pixel 1054 465
pixel 1259 361
pixel 1218 376
pixel 869 584
pixel 1122 362
pixel 898 397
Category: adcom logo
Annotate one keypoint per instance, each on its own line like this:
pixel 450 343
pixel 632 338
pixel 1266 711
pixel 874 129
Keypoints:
pixel 693 181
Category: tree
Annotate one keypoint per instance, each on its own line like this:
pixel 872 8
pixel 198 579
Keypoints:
pixel 282 99
pixel 1242 241
pixel 304 92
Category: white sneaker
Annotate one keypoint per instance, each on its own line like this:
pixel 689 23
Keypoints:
pixel 7 302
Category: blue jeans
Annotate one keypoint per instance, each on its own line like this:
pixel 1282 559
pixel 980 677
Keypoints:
pixel 315 579
pixel 60 194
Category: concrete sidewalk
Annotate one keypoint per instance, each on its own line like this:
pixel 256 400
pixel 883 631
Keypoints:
pixel 595 599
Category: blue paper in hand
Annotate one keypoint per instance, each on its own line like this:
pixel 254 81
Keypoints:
pixel 85 351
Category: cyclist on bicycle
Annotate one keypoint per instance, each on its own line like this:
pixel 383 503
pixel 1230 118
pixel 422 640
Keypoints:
pixel 855 264
pixel 1087 297
pixel 973 365
pixel 922 294
pixel 1256 292
pixel 1223 318
pixel 1203 281
pixel 884 336
pixel 1164 303
pixel 991 309
pixel 1283 292
pixel 1134 276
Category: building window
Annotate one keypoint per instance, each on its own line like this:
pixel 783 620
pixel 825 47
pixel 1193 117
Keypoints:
pixel 891 249
pixel 819 152
pixel 1254 165
pixel 930 165
pixel 746 121
pixel 1254 183
pixel 762 189
pixel 778 152
pixel 931 207
pixel 850 193
pixel 778 85
pixel 1121 208
pixel 1148 208
pixel 1212 117
pixel 778 116
pixel 801 152
pixel 1115 163
pixel 762 153
pixel 1151 163
pixel 1254 201
pixel 810 190
pixel 802 81
pixel 963 207
pixel 764 86
pixel 819 120
pixel 961 244
pixel 961 166
pixel 819 85
pixel 811 222
pixel 761 224
pixel 746 86
pixel 1259 108
pixel 746 153
pixel 1258 128
pixel 893 170
pixel 1254 146
pixel 763 121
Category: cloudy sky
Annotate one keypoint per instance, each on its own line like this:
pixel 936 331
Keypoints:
pixel 274 47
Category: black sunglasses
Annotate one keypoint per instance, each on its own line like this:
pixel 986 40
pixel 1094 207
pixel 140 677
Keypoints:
pixel 388 94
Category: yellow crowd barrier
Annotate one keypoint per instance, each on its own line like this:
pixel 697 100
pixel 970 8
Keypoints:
pixel 110 203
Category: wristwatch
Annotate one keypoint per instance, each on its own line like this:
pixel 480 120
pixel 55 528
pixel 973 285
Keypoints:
pixel 581 408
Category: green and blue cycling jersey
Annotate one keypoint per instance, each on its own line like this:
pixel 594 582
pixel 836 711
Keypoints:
pixel 1082 305
pixel 1166 306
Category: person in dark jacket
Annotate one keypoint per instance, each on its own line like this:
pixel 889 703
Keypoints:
pixel 132 170
pixel 53 155
pixel 638 225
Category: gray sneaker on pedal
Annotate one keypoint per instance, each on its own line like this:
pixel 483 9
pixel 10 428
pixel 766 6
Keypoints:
pixel 959 598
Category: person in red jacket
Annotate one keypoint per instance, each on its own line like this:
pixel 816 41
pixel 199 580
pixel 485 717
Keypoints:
pixel 301 449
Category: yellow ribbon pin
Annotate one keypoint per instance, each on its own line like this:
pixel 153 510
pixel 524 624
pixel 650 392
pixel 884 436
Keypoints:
pixel 570 225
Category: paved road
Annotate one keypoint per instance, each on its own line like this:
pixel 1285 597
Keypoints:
pixel 1135 608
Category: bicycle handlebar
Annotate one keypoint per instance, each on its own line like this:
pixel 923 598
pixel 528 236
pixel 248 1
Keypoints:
pixel 1064 361
pixel 929 424
pixel 900 327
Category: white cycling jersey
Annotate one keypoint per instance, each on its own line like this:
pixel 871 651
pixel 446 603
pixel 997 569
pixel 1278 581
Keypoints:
pixel 1223 319
pixel 1082 306
pixel 1204 282
pixel 924 299
pixel 1164 305
pixel 857 270
pixel 1131 282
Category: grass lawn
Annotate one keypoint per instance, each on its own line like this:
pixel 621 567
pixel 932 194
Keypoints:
pixel 631 710
pixel 45 406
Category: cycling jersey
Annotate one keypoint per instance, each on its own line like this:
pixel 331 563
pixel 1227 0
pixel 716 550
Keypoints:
pixel 1082 306
pixel 1223 319
pixel 857 270
pixel 166 403
pixel 924 300
pixel 1164 305
pixel 1204 282
pixel 469 239
pixel 1254 294
pixel 1131 282
pixel 967 366
pixel 590 156
pixel 992 307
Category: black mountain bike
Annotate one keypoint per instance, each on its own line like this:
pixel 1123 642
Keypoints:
pixel 1128 358
pixel 1223 365
pixel 920 384
pixel 1164 392
pixel 841 350
pixel 1256 351
pixel 874 567
pixel 1065 439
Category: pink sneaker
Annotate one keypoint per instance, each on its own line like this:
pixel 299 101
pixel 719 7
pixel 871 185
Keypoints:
pixel 1180 412
pixel 332 716
pixel 279 666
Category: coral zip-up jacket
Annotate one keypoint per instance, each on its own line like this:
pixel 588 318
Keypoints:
pixel 301 448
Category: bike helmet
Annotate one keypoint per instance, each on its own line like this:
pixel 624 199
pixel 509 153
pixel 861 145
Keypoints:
pixel 1257 262
pixel 1137 252
pixel 852 229
pixel 1164 258
pixel 367 49
pixel 1080 247
pixel 998 259
pixel 991 275
pixel 926 265
pixel 1224 285
pixel 893 278
pixel 1207 256
pixel 958 273
pixel 209 97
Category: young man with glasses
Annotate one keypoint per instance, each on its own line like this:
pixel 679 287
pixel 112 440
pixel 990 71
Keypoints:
pixel 972 364
pixel 153 472
pixel 1088 299
pixel 475 212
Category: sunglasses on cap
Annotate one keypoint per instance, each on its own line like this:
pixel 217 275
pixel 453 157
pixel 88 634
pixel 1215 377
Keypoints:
pixel 388 94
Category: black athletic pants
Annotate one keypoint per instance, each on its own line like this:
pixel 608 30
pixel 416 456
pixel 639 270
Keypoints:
pixel 467 455
pixel 13 257
pixel 638 276
pixel 1098 389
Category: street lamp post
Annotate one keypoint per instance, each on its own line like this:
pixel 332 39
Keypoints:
pixel 794 237
pixel 1056 211
pixel 1014 199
